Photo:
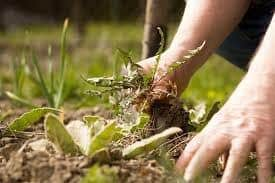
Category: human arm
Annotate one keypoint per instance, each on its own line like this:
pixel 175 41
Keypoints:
pixel 244 123
pixel 203 20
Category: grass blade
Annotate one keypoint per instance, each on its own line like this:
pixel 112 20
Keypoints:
pixel 160 50
pixel 20 100
pixel 51 73
pixel 42 82
pixel 63 63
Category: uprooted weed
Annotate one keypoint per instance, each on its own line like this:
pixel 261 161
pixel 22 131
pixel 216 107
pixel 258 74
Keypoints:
pixel 134 91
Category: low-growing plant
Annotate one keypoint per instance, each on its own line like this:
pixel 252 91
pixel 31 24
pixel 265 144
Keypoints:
pixel 19 72
pixel 133 91
pixel 52 87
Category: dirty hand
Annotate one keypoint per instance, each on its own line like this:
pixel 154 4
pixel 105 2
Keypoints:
pixel 245 123
pixel 179 77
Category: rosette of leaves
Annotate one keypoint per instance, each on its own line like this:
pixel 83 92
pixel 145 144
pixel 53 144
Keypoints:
pixel 88 137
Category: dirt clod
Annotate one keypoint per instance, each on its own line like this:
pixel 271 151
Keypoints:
pixel 38 166
pixel 168 114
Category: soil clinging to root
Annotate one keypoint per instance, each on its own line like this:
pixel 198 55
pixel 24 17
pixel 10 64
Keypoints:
pixel 170 113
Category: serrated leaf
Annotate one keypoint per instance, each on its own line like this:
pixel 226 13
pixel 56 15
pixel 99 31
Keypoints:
pixel 80 133
pixel 149 144
pixel 29 118
pixel 59 136
pixel 142 121
pixel 105 136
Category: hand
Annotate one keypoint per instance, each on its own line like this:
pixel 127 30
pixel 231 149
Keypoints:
pixel 246 122
pixel 179 78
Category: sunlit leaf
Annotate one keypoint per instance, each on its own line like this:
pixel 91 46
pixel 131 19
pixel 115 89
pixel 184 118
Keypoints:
pixel 146 145
pixel 20 100
pixel 105 136
pixel 198 113
pixel 29 118
pixel 59 136
pixel 80 133
pixel 90 119
pixel 142 121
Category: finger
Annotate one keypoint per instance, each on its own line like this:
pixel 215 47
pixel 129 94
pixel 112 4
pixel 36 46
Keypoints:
pixel 223 160
pixel 264 151
pixel 188 152
pixel 238 155
pixel 207 153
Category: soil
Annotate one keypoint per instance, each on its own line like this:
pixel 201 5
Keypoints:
pixel 20 163
pixel 165 114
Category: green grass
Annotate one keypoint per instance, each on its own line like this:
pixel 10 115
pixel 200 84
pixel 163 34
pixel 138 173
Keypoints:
pixel 213 82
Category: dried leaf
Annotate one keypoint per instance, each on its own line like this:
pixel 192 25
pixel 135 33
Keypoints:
pixel 149 144
pixel 59 136
pixel 29 118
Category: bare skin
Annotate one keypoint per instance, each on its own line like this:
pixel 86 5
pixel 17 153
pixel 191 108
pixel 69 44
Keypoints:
pixel 246 121
pixel 212 21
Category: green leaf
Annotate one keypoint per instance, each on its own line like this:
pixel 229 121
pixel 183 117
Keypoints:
pixel 90 119
pixel 160 50
pixel 104 174
pixel 190 54
pixel 105 136
pixel 209 114
pixel 142 121
pixel 126 58
pixel 29 118
pixel 41 80
pixel 149 144
pixel 117 65
pixel 59 136
pixel 95 123
pixel 20 100
pixel 63 65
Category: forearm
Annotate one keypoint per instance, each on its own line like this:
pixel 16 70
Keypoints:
pixel 209 20
pixel 260 79
pixel 263 64
pixel 203 20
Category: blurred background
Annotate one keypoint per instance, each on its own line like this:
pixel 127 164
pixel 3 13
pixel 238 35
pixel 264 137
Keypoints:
pixel 97 29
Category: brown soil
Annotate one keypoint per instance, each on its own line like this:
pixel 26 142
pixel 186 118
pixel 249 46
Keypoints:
pixel 140 171
pixel 165 114
pixel 20 163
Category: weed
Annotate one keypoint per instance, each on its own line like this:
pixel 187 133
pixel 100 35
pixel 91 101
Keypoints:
pixel 53 90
